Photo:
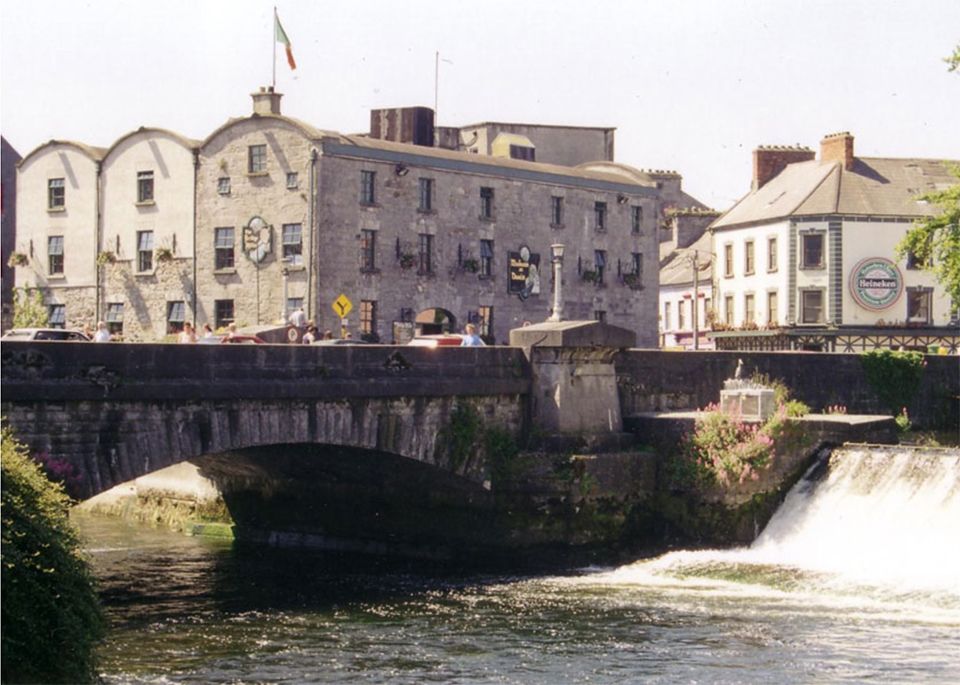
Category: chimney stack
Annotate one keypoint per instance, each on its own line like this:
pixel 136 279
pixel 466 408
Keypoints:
pixel 838 147
pixel 770 160
pixel 266 101
pixel 413 125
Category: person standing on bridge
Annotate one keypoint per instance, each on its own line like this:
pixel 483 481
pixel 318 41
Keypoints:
pixel 187 335
pixel 102 334
pixel 471 339
pixel 298 318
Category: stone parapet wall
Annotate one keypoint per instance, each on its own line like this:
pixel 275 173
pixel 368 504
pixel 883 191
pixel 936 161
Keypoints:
pixel 652 381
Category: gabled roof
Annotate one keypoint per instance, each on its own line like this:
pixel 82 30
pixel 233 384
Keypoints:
pixel 880 187
pixel 677 267
pixel 94 153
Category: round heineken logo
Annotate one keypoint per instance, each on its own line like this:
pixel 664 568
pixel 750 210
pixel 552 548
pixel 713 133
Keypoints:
pixel 876 283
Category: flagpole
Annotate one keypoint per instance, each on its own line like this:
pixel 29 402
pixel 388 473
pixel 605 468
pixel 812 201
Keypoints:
pixel 273 47
pixel 436 86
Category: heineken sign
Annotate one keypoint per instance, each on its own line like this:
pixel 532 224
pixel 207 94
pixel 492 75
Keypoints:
pixel 876 283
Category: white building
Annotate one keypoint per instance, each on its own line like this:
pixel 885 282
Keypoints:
pixel 807 259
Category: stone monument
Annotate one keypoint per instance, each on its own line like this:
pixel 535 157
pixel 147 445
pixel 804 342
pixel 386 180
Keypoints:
pixel 745 398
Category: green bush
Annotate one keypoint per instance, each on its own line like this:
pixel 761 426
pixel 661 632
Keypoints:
pixel 895 376
pixel 51 618
pixel 796 408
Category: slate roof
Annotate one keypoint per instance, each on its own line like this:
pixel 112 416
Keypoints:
pixel 677 269
pixel 880 187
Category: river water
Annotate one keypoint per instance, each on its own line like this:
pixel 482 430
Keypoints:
pixel 856 579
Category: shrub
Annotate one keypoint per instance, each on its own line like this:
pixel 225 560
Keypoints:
pixel 724 449
pixel 796 408
pixel 51 619
pixel 895 376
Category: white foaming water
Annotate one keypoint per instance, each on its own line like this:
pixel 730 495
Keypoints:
pixel 876 527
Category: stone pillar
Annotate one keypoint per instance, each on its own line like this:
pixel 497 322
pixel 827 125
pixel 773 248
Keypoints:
pixel 574 380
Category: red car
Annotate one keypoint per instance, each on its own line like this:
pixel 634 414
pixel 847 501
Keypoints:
pixel 441 340
pixel 242 340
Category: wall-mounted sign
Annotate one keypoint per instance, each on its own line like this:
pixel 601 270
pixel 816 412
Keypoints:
pixel 257 239
pixel 876 283
pixel 523 273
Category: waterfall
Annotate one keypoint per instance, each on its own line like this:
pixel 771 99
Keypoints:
pixel 885 515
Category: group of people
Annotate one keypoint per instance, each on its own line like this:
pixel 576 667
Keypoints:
pixel 189 333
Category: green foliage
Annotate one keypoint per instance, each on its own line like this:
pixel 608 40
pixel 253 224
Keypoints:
pixel 723 449
pixel 953 61
pixel 51 619
pixel 781 393
pixel 796 408
pixel 934 241
pixel 458 438
pixel 895 376
pixel 903 421
pixel 29 310
pixel 502 451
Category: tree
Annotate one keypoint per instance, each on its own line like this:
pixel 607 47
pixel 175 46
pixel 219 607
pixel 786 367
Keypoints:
pixel 29 311
pixel 51 616
pixel 953 61
pixel 934 241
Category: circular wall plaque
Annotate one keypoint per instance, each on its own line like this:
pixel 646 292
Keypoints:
pixel 876 283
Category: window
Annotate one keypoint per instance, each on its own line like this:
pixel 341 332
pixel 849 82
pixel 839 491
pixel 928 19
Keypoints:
pixel 144 251
pixel 600 261
pixel 523 152
pixel 55 255
pixel 56 194
pixel 681 315
pixel 748 258
pixel 486 322
pixel 637 264
pixel 749 311
pixel 811 306
pixel 368 250
pixel 293 180
pixel 368 181
pixel 812 251
pixel 144 186
pixel 771 254
pixel 426 253
pixel 728 309
pixel 293 243
pixel 114 318
pixel 728 260
pixel 556 211
pixel 636 219
pixel 600 216
pixel 600 315
pixel 177 315
pixel 426 194
pixel 223 185
pixel 666 316
pixel 772 306
pixel 224 248
pixel 368 316
pixel 486 203
pixel 918 305
pixel 486 258
pixel 257 159
pixel 57 316
pixel 223 311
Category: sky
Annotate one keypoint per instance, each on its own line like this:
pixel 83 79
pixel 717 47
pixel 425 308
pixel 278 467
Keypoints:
pixel 690 85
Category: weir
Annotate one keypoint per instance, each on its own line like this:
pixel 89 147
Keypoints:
pixel 877 514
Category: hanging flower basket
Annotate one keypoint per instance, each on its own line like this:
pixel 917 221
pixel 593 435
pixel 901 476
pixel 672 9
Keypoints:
pixel 17 259
pixel 632 281
pixel 590 276
pixel 407 261
pixel 471 265
pixel 164 254
pixel 106 257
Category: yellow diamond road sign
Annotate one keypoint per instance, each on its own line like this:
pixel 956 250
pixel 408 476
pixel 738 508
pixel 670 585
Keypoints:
pixel 342 306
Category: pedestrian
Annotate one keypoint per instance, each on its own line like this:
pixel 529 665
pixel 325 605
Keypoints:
pixel 310 336
pixel 207 331
pixel 187 335
pixel 231 330
pixel 470 338
pixel 328 334
pixel 102 334
pixel 298 318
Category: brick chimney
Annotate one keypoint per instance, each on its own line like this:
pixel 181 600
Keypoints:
pixel 266 101
pixel 838 147
pixel 770 160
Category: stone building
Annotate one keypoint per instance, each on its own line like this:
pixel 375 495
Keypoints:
pixel 268 214
pixel 807 259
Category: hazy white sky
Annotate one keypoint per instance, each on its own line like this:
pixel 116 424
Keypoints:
pixel 690 85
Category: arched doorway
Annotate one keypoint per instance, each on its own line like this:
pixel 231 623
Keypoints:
pixel 434 321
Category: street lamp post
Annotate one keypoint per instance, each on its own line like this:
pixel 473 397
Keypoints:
pixel 557 251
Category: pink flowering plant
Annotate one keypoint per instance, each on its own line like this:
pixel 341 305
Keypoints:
pixel 725 450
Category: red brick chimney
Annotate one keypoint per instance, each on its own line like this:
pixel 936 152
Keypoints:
pixel 838 147
pixel 770 160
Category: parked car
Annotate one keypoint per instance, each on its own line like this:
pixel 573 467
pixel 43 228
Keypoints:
pixel 241 339
pixel 438 340
pixel 58 334
pixel 342 341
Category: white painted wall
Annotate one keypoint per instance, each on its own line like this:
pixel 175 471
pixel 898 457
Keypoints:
pixel 763 280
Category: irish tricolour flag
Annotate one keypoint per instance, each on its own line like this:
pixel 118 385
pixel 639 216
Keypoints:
pixel 282 38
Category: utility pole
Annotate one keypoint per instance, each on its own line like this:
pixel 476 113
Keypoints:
pixel 696 302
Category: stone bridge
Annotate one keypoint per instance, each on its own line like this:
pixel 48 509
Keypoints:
pixel 109 413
